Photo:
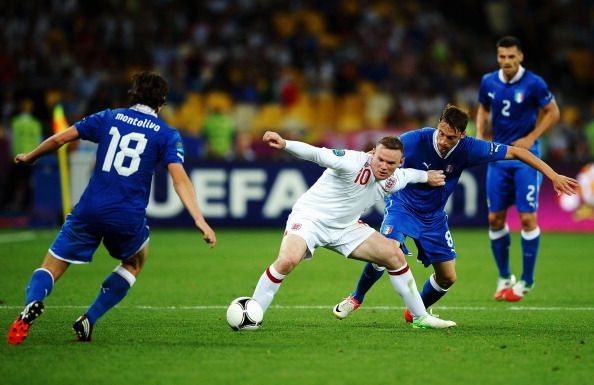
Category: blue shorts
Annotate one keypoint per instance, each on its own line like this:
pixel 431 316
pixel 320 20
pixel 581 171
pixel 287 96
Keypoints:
pixel 512 182
pixel 432 236
pixel 78 240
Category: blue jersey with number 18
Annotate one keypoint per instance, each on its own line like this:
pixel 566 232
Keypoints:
pixel 131 143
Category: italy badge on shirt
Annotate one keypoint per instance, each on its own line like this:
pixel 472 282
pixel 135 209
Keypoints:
pixel 519 96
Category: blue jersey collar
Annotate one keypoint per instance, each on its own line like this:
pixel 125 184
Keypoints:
pixel 516 78
pixel 144 109
pixel 437 148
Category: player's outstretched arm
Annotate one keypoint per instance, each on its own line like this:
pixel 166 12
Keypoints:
pixel 561 183
pixel 185 190
pixel 550 116
pixel 49 145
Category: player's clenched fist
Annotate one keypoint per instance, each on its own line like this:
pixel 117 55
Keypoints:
pixel 435 178
pixel 274 140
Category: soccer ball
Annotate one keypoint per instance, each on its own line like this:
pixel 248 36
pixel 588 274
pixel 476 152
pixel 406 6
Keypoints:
pixel 244 313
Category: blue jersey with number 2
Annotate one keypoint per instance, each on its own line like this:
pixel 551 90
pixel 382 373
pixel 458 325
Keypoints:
pixel 514 105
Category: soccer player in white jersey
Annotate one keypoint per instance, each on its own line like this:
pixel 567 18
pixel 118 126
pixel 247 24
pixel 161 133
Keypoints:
pixel 328 215
pixel 132 142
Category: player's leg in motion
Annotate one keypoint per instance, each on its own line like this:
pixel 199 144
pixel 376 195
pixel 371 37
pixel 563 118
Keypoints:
pixel 292 251
pixel 530 243
pixel 39 287
pixel 369 276
pixel 383 251
pixel 113 289
pixel 500 243
pixel 433 291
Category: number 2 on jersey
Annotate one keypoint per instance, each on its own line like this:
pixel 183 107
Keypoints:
pixel 116 159
pixel 505 109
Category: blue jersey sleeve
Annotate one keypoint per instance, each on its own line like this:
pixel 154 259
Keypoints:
pixel 174 150
pixel 542 92
pixel 90 127
pixel 481 151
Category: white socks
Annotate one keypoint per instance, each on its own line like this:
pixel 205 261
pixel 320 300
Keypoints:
pixel 404 283
pixel 267 287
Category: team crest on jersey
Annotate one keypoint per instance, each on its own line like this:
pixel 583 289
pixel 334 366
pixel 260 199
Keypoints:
pixel 387 229
pixel 449 169
pixel 179 146
pixel 519 96
pixel 295 226
pixel 339 152
pixel 390 183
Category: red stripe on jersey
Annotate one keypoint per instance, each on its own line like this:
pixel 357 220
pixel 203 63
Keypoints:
pixel 271 277
pixel 400 272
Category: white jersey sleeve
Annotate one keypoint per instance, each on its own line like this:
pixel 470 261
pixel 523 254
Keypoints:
pixel 402 177
pixel 339 160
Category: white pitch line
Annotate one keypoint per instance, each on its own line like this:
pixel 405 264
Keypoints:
pixel 17 237
pixel 316 307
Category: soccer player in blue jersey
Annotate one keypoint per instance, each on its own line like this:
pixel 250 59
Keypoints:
pixel 132 142
pixel 514 97
pixel 418 212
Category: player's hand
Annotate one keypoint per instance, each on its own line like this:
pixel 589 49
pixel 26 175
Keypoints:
pixel 23 159
pixel 209 235
pixel 523 142
pixel 435 178
pixel 564 185
pixel 274 140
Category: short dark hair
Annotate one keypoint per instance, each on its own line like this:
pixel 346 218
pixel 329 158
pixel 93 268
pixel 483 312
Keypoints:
pixel 392 143
pixel 509 41
pixel 455 117
pixel 148 88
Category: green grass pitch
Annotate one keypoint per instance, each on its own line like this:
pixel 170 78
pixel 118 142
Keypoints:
pixel 171 328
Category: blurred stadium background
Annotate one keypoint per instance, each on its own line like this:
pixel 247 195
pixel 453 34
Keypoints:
pixel 335 73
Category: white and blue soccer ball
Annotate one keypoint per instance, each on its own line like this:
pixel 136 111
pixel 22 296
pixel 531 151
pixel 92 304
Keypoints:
pixel 244 313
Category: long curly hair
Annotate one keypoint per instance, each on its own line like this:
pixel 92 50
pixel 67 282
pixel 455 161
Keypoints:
pixel 148 88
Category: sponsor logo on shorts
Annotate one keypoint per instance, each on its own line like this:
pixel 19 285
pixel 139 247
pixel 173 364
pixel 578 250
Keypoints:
pixel 387 229
pixel 295 226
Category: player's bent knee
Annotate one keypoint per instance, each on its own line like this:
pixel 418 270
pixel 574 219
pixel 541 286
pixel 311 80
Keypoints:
pixel 285 265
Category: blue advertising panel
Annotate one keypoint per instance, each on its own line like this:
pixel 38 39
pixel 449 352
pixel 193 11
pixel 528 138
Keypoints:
pixel 262 194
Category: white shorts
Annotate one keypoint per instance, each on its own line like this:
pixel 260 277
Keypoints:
pixel 315 234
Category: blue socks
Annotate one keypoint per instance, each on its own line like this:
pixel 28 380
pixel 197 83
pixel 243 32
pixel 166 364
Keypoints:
pixel 530 242
pixel 432 292
pixel 368 278
pixel 500 242
pixel 113 290
pixel 40 285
